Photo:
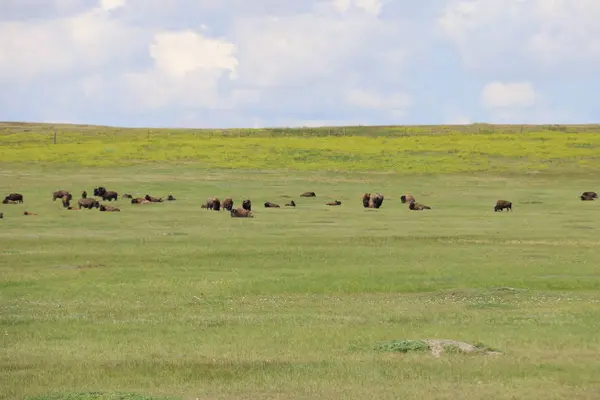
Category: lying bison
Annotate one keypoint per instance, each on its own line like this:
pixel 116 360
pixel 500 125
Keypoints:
pixel 241 213
pixel 308 194
pixel 140 200
pixel 588 196
pixel 152 199
pixel 333 203
pixel 59 194
pixel 127 196
pixel 268 204
pixel 407 198
pixel 171 198
pixel 18 197
pixel 212 203
pixel 247 205
pixel 503 204
pixel 413 205
pixel 108 208
pixel 29 213
pixel 227 204
pixel 291 204
pixel 88 203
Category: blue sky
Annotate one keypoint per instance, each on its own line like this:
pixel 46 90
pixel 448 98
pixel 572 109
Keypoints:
pixel 240 63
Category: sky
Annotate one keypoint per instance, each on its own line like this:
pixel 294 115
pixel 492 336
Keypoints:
pixel 262 63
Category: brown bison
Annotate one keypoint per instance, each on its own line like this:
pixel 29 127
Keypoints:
pixel 291 204
pixel 152 199
pixel 417 206
pixel 241 213
pixel 503 204
pixel 308 194
pixel 247 205
pixel 29 213
pixel 99 191
pixel 88 203
pixel 374 201
pixel 108 208
pixel 14 197
pixel 588 196
pixel 59 194
pixel 212 203
pixel 268 204
pixel 127 196
pixel 227 204
pixel 171 198
pixel 66 201
pixel 140 200
pixel 110 195
pixel 333 203
pixel 407 198
pixel 84 194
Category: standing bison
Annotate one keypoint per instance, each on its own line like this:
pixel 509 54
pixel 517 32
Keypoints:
pixel 212 203
pixel 227 204
pixel 372 201
pixel 247 205
pixel 59 194
pixel 15 197
pixel 503 204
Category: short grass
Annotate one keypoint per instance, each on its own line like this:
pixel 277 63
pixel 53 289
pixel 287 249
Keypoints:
pixel 172 301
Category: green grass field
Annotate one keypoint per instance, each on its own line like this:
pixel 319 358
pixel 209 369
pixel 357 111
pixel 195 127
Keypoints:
pixel 173 301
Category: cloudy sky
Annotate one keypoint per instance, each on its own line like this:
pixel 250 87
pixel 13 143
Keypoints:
pixel 251 63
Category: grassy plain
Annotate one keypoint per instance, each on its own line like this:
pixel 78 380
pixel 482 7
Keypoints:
pixel 171 300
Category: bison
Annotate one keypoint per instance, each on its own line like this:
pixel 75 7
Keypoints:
pixel 247 205
pixel 374 201
pixel 413 205
pixel 268 204
pixel 84 194
pixel 66 201
pixel 503 204
pixel 212 203
pixel 308 194
pixel 88 203
pixel 333 203
pixel 153 199
pixel 140 200
pixel 291 204
pixel 59 194
pixel 108 208
pixel 241 213
pixel 227 204
pixel 171 198
pixel 588 196
pixel 29 213
pixel 127 196
pixel 14 197
pixel 99 191
pixel 110 196
pixel 1 215
pixel 407 198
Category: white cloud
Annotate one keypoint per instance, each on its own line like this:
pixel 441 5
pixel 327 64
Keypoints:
pixel 508 95
pixel 109 5
pixel 501 34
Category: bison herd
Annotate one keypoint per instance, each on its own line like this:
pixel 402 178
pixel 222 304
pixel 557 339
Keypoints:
pixel 371 201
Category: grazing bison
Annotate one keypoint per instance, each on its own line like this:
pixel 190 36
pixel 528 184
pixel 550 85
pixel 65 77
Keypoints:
pixel 171 198
pixel 99 191
pixel 308 194
pixel 502 204
pixel 247 205
pixel 88 203
pixel 15 197
pixel 108 208
pixel 59 194
pixel 291 204
pixel 407 198
pixel 417 206
pixel 140 200
pixel 29 213
pixel 153 199
pixel 241 213
pixel 227 204
pixel 333 203
pixel 587 196
pixel 268 204
pixel 212 203
pixel 127 196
